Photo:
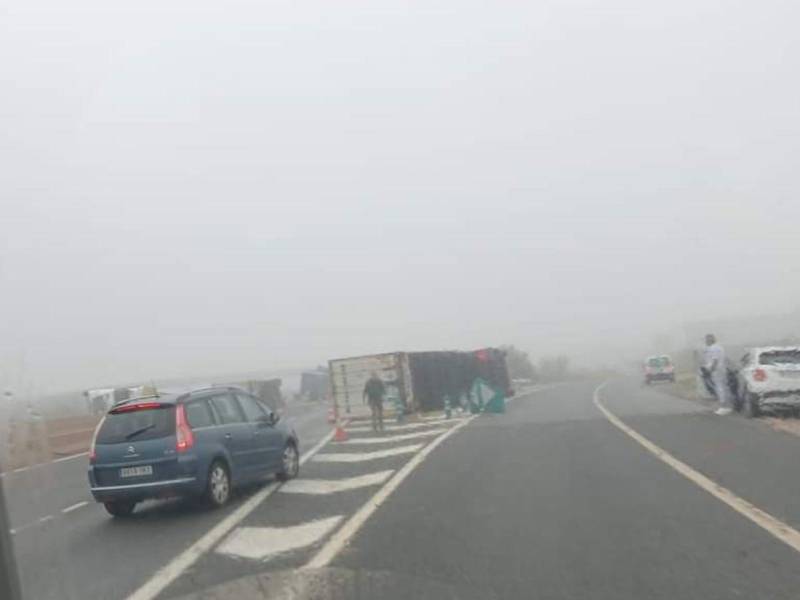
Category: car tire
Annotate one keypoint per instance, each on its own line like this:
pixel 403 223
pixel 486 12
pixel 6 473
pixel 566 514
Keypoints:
pixel 218 485
pixel 750 407
pixel 120 509
pixel 290 463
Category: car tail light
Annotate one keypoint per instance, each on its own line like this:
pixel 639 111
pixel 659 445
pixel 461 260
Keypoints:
pixel 183 432
pixel 92 451
pixel 760 375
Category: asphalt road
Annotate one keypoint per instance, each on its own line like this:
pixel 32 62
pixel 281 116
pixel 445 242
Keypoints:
pixel 67 546
pixel 549 500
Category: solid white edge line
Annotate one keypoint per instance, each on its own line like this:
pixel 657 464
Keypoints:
pixel 340 539
pixel 773 526
pixel 172 570
pixel 75 506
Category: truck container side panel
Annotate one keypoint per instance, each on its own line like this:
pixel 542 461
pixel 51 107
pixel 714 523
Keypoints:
pixel 349 375
pixel 406 387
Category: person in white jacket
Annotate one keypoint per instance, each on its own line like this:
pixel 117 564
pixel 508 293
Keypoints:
pixel 715 366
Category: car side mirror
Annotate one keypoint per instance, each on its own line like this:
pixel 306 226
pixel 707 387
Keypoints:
pixel 267 420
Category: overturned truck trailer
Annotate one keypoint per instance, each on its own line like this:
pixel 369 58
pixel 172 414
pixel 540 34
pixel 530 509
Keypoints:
pixel 421 381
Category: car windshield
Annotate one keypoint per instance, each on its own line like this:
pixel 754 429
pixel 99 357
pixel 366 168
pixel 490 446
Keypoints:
pixel 780 357
pixel 138 425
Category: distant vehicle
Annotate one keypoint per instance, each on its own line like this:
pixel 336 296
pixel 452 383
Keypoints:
pixel 202 443
pixel 769 377
pixel 98 401
pixel 314 385
pixel 658 368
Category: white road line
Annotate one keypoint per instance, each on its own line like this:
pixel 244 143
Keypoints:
pixel 776 527
pixel 21 528
pixel 261 543
pixel 347 457
pixel 172 570
pixel 76 506
pixel 387 439
pixel 351 527
pixel 46 518
pixel 71 457
pixel 44 464
pixel 406 426
pixel 331 486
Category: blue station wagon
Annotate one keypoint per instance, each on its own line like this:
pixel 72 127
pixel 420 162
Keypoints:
pixel 202 443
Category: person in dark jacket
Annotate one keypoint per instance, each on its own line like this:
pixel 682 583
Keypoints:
pixel 374 392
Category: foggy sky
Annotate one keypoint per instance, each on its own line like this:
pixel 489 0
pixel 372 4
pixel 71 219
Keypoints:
pixel 214 187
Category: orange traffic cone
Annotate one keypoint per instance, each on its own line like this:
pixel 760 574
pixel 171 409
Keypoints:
pixel 340 435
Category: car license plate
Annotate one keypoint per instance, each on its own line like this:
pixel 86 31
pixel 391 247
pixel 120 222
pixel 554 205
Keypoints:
pixel 136 471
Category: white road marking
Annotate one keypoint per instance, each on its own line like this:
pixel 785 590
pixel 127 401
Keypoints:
pixel 21 528
pixel 71 457
pixel 351 527
pixel 44 464
pixel 76 506
pixel 261 543
pixel 46 518
pixel 172 570
pixel 328 486
pixel 776 527
pixel 393 438
pixel 367 428
pixel 346 457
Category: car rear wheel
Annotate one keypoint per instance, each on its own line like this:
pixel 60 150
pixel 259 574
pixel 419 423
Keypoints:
pixel 120 509
pixel 751 408
pixel 290 463
pixel 218 488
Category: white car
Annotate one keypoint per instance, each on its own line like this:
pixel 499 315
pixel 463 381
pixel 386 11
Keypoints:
pixel 769 377
pixel 658 368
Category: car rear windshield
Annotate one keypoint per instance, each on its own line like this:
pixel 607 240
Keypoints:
pixel 142 424
pixel 658 361
pixel 780 357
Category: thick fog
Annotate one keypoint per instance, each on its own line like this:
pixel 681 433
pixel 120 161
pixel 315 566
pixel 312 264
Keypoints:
pixel 215 187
